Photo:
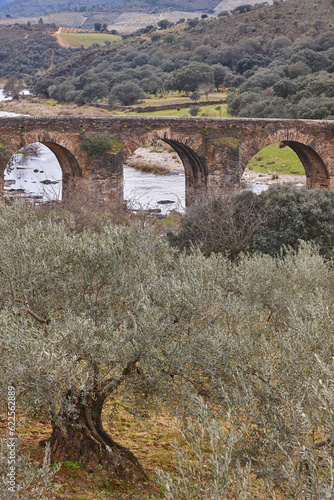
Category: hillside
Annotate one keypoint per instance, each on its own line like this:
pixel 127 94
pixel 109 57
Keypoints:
pixel 27 52
pixel 125 17
pixel 280 57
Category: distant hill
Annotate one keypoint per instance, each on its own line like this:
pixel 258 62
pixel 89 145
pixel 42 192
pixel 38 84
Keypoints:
pixel 26 52
pixel 279 57
pixel 28 8
pixel 125 17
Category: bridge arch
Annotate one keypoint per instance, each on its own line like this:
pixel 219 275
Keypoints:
pixel 196 171
pixel 68 154
pixel 312 155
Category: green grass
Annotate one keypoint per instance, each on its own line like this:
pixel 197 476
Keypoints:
pixel 171 96
pixel 87 39
pixel 207 110
pixel 276 159
pixel 176 96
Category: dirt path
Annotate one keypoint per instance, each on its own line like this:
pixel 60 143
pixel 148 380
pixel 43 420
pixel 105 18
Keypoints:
pixel 63 43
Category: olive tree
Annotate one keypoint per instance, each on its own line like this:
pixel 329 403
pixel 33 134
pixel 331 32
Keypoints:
pixel 275 419
pixel 119 315
pixel 86 317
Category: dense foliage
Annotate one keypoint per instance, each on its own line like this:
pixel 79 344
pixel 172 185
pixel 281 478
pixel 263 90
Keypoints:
pixel 86 316
pixel 25 51
pixel 281 216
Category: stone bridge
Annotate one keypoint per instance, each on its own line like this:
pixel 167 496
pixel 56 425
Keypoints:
pixel 214 151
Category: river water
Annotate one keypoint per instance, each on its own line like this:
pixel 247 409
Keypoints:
pixel 40 177
pixel 36 176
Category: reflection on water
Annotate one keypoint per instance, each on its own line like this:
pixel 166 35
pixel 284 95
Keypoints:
pixel 145 191
pixel 39 177
pixel 2 96
pixel 256 188
pixel 6 113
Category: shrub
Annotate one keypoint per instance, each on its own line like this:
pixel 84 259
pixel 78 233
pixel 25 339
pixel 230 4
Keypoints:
pixel 95 143
pixel 194 110
pixel 293 214
pixel 279 217
pixel 220 224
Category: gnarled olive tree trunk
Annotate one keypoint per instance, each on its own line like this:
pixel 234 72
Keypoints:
pixel 78 435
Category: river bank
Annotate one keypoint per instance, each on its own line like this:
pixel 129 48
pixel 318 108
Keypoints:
pixel 249 176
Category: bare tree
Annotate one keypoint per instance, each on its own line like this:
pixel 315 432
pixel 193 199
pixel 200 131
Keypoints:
pixel 207 88
pixel 221 224
pixel 13 88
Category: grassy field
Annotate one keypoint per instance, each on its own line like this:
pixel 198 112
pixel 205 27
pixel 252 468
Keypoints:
pixel 176 96
pixel 204 110
pixel 278 159
pixel 87 39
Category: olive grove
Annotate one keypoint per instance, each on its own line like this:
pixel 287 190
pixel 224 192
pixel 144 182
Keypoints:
pixel 241 351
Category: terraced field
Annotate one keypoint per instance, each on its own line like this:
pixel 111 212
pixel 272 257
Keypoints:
pixel 232 4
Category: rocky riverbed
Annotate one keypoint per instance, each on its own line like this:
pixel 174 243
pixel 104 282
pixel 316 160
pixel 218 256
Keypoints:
pixel 157 156
pixel 251 177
